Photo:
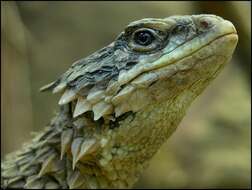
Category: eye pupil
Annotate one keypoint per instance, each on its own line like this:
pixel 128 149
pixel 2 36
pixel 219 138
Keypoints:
pixel 143 38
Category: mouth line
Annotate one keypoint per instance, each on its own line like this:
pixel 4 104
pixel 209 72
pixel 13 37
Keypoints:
pixel 199 48
pixel 235 33
pixel 203 46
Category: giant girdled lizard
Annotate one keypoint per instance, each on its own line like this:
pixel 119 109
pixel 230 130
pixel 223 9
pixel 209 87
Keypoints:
pixel 121 103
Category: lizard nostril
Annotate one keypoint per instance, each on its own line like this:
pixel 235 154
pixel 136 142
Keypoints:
pixel 204 24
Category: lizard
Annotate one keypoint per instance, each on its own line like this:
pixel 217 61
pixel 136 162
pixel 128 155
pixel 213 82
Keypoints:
pixel 121 103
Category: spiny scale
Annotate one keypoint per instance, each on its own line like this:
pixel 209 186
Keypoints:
pixel 95 96
pixel 75 149
pixel 68 96
pixel 123 94
pixel 121 109
pixel 66 139
pixel 46 87
pixel 87 147
pixel 75 180
pixel 145 80
pixel 47 165
pixel 102 108
pixel 34 182
pixel 60 87
pixel 81 107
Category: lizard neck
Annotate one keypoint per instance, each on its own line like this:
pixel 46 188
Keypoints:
pixel 134 143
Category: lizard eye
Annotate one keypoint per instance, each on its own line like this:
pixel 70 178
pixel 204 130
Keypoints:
pixel 144 40
pixel 144 37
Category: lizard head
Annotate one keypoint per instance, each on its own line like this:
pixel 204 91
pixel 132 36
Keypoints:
pixel 151 61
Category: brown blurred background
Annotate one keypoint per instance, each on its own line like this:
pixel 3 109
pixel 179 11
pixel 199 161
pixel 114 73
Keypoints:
pixel 40 40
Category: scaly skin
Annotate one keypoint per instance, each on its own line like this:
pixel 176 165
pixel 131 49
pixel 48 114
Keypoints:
pixel 120 104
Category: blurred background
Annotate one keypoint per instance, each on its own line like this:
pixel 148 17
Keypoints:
pixel 40 40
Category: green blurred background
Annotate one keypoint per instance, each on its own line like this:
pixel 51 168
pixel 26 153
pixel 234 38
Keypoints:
pixel 40 40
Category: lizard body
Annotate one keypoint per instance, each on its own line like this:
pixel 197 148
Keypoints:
pixel 120 104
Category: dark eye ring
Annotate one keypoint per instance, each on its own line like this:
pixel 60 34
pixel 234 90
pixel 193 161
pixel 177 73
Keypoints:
pixel 143 37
